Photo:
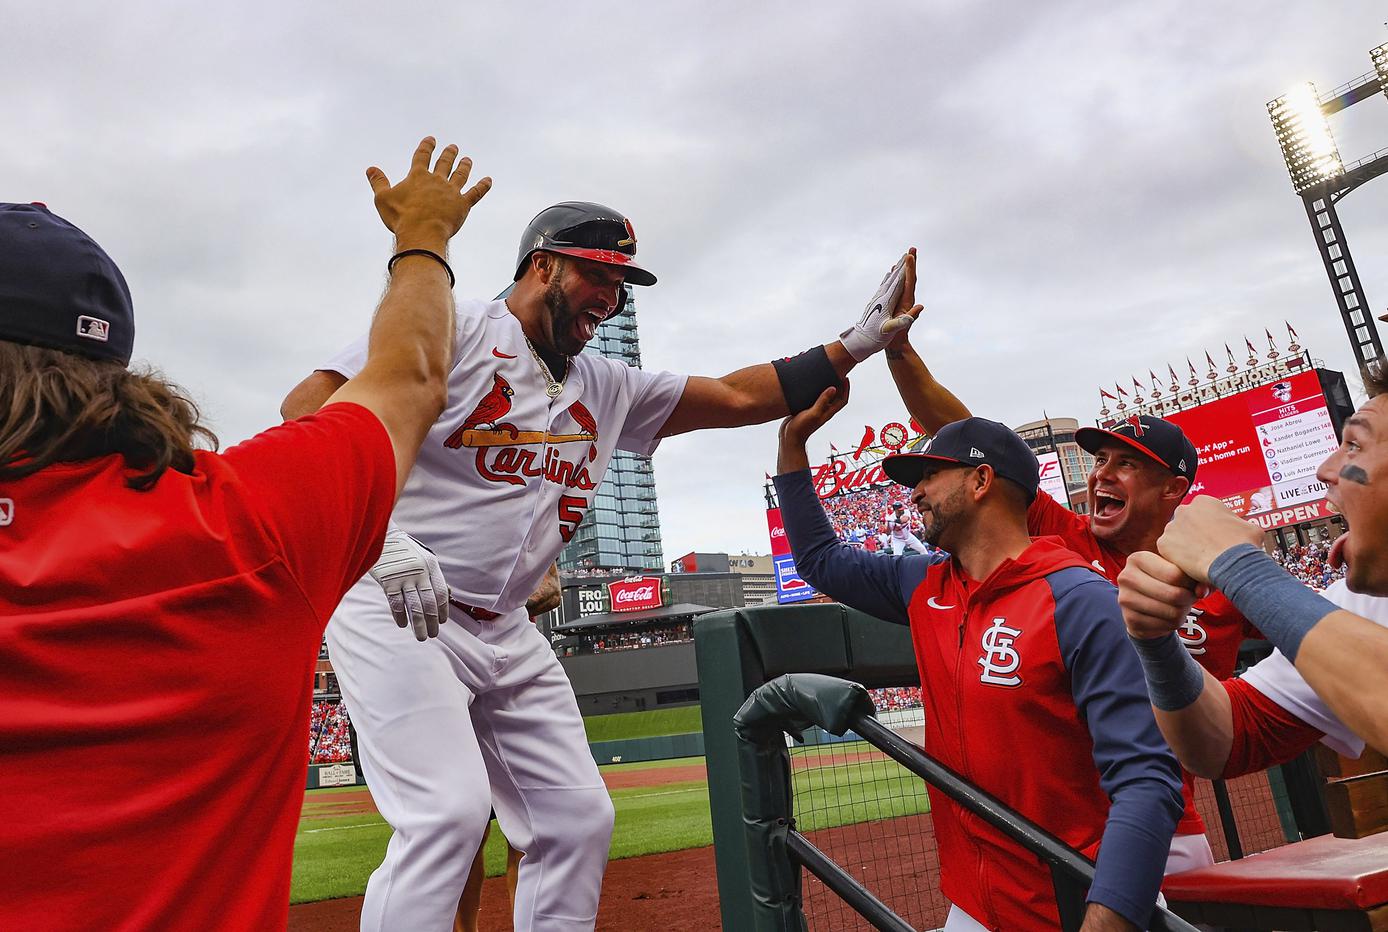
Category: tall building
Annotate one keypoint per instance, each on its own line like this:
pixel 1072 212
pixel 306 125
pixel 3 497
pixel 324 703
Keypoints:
pixel 1058 434
pixel 622 528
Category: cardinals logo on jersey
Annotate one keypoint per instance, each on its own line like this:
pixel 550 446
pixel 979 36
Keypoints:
pixel 1000 660
pixel 508 455
pixel 494 406
pixel 1192 633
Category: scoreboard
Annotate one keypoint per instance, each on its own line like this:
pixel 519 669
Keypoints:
pixel 1259 449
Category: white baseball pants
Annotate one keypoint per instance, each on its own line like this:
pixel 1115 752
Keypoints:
pixel 480 717
pixel 909 542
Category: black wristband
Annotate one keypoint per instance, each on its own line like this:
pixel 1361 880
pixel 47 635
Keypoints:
pixel 390 266
pixel 805 377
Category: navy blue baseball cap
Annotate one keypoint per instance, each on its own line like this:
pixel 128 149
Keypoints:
pixel 974 441
pixel 1160 439
pixel 59 289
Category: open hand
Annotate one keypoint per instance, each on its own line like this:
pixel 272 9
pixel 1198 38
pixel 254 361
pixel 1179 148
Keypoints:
pixel 798 427
pixel 428 206
pixel 891 310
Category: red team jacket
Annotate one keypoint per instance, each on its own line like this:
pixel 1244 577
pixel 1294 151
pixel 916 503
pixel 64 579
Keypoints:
pixel 1032 691
pixel 156 660
pixel 1213 632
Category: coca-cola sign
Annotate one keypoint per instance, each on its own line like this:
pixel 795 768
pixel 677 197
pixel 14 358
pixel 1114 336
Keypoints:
pixel 779 543
pixel 635 593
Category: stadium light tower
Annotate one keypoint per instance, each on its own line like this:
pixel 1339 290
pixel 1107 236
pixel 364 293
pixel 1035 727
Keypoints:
pixel 1321 179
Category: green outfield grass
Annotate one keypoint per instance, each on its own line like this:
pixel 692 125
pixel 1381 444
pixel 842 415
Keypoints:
pixel 333 857
pixel 644 724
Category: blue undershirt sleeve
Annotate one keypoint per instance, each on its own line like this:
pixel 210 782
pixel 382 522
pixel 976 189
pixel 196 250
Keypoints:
pixel 1137 770
pixel 878 584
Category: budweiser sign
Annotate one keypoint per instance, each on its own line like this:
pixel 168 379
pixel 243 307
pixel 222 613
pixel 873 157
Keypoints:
pixel 837 477
pixel 635 593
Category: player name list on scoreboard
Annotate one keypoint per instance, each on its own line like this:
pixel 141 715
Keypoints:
pixel 1295 438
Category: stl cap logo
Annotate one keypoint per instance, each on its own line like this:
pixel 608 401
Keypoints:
pixel 631 235
pixel 93 328
pixel 6 511
pixel 976 452
pixel 1000 661
pixel 1136 423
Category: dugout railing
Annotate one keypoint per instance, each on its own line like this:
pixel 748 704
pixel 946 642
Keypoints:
pixel 739 650
pixel 792 703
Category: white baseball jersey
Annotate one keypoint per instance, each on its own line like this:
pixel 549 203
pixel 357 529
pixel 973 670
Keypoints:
pixel 506 472
pixel 1276 677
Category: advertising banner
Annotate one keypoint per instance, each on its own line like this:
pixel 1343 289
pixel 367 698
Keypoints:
pixel 635 593
pixel 789 586
pixel 1259 449
pixel 776 527
pixel 1052 479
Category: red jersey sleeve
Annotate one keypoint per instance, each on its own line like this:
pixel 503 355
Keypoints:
pixel 1265 734
pixel 1047 517
pixel 323 487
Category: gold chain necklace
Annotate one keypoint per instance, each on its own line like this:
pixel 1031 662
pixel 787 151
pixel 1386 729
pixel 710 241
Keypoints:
pixel 552 386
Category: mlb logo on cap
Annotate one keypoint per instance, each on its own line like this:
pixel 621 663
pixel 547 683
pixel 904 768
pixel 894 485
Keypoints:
pixel 93 328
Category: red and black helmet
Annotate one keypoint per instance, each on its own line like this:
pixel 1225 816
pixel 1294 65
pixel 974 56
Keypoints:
pixel 588 231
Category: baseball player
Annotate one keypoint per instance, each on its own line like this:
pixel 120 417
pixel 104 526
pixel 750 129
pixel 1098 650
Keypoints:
pixel 1142 470
pixel 1327 675
pixel 483 715
pixel 902 538
pixel 1013 637
pixel 164 604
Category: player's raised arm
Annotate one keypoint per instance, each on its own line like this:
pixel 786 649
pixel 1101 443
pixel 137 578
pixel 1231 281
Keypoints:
pixel 409 351
pixel 759 393
pixel 930 403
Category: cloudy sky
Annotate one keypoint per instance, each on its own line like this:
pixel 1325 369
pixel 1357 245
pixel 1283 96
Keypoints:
pixel 1095 189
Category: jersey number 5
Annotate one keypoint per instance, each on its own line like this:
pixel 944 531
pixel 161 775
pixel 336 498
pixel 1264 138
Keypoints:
pixel 570 514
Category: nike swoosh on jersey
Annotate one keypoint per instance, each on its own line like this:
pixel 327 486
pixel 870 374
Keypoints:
pixel 496 351
pixel 1097 565
pixel 933 604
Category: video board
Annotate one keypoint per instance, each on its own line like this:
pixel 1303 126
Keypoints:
pixel 1259 450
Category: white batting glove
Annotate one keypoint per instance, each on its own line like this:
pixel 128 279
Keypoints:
pixel 876 326
pixel 414 585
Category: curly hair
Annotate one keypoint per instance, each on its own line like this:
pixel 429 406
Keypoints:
pixel 60 407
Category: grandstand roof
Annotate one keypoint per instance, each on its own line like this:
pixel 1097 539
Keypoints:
pixel 610 619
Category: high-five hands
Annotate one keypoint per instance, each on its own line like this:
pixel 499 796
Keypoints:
pixel 428 205
pixel 891 310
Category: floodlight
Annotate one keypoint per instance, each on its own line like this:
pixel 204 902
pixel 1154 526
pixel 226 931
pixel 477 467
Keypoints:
pixel 1303 132
pixel 1380 57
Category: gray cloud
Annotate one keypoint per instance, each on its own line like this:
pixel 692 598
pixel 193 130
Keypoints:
pixel 1095 190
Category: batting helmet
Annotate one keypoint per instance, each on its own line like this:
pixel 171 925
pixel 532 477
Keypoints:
pixel 588 231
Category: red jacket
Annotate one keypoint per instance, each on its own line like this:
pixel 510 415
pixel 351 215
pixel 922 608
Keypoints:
pixel 1031 691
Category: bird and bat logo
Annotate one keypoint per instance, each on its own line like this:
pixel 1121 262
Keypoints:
pixel 506 454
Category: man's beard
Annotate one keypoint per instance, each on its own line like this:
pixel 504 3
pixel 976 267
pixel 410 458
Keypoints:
pixel 941 517
pixel 561 322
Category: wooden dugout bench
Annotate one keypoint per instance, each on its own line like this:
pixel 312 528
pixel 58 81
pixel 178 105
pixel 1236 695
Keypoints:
pixel 1335 883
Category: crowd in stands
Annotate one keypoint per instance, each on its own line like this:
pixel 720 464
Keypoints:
pixel 893 698
pixel 329 740
pixel 860 518
pixel 606 641
pixel 1310 564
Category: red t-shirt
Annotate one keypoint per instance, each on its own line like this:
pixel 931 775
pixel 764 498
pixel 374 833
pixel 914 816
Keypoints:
pixel 156 659
pixel 1214 628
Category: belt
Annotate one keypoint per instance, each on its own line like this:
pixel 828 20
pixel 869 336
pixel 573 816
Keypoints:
pixel 477 614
